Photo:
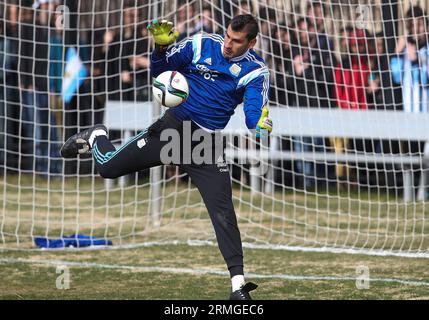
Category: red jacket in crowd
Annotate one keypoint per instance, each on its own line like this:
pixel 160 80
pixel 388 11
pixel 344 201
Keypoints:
pixel 351 83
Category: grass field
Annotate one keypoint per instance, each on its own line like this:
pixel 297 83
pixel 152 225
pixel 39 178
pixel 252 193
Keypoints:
pixel 33 206
pixel 130 274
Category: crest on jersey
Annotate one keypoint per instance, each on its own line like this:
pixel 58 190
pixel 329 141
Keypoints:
pixel 208 61
pixel 235 69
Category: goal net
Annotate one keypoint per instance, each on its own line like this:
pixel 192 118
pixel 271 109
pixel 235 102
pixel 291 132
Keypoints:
pixel 346 165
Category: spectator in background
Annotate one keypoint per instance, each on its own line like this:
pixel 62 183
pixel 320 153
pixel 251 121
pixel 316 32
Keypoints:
pixel 12 92
pixel 107 51
pixel 344 49
pixel 351 83
pixel 128 53
pixel 311 66
pixel 410 70
pixel 381 96
pixel 34 55
pixel 206 22
pixel 282 90
pixel 114 44
pixel 97 74
pixel 316 15
pixel 407 65
pixel 190 23
pixel 12 20
pixel 244 7
pixel 47 142
pixel 352 74
pixel 57 52
pixel 27 38
pixel 84 103
pixel 339 143
pixel 56 70
pixel 310 80
pixel 56 67
pixel 140 63
pixel 380 84
pixel 76 112
pixel 264 44
pixel 186 21
pixel 44 8
pixel 111 51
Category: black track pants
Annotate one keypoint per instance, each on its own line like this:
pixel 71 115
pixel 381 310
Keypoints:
pixel 211 178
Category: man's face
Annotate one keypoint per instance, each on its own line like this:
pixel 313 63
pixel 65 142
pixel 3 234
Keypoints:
pixel 418 28
pixel 130 15
pixel 13 14
pixel 303 33
pixel 315 13
pixel 27 15
pixel 380 45
pixel 207 18
pixel 283 37
pixel 236 43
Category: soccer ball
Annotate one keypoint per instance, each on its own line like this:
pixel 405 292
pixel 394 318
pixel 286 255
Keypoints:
pixel 170 88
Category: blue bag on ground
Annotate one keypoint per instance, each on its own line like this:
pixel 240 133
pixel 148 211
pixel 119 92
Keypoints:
pixel 75 240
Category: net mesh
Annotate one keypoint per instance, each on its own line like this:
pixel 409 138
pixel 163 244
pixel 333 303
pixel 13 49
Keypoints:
pixel 347 161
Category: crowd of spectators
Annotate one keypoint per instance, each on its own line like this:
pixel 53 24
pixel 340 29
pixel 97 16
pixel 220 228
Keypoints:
pixel 308 70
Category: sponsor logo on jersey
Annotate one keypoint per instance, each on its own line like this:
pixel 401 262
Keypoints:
pixel 202 68
pixel 208 61
pixel 207 73
pixel 235 69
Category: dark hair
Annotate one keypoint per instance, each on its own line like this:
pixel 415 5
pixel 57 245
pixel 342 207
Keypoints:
pixel 315 3
pixel 247 23
pixel 27 4
pixel 348 28
pixel 415 12
pixel 304 19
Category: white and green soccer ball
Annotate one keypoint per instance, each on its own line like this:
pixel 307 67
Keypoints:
pixel 170 89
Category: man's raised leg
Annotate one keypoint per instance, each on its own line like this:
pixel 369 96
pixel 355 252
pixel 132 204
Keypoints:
pixel 140 152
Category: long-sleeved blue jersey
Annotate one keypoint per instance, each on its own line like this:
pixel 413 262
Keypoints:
pixel 216 85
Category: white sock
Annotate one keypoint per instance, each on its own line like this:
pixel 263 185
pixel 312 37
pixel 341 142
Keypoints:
pixel 237 282
pixel 96 133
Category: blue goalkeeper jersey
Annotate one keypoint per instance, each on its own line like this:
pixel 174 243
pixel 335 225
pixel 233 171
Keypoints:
pixel 216 85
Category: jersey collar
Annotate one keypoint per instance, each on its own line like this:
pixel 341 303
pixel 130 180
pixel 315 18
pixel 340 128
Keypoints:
pixel 240 57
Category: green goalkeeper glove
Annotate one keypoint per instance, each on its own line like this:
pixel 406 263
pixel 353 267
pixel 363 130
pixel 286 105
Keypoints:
pixel 264 125
pixel 162 32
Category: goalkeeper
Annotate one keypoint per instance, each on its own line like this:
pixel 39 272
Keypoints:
pixel 222 71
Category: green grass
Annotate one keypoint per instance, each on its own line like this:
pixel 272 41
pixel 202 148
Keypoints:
pixel 34 206
pixel 38 281
pixel 31 206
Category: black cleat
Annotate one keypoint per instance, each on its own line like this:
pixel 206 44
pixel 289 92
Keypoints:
pixel 78 143
pixel 243 293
